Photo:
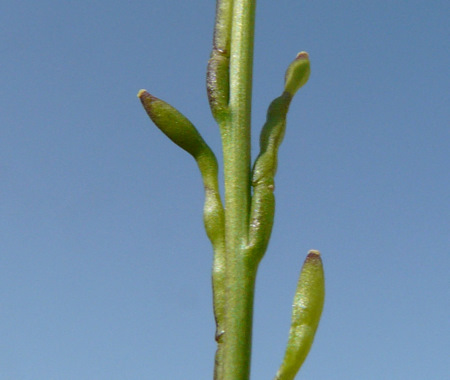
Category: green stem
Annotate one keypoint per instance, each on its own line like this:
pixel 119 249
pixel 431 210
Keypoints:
pixel 240 273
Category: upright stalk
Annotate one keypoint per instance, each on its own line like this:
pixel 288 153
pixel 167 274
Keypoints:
pixel 240 232
pixel 240 274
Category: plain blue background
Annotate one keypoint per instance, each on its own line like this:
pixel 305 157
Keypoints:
pixel 104 263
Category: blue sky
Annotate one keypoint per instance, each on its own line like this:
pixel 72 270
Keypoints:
pixel 104 263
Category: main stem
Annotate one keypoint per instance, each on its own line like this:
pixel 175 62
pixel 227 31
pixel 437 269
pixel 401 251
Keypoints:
pixel 240 274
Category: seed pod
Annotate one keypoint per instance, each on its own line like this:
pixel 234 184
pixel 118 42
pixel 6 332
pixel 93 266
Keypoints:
pixel 183 133
pixel 265 167
pixel 306 311
pixel 297 73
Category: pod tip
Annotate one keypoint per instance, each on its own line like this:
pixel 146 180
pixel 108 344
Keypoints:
pixel 313 252
pixel 141 93
pixel 302 55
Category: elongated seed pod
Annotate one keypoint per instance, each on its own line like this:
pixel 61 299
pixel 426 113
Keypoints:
pixel 183 133
pixel 265 167
pixel 306 311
